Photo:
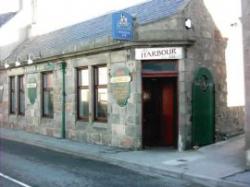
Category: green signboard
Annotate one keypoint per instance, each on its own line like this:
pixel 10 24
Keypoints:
pixel 120 85
pixel 32 90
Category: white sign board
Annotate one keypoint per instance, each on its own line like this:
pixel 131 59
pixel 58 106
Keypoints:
pixel 31 85
pixel 159 53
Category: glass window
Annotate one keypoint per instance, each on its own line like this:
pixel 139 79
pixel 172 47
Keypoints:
pixel 47 94
pixel 101 93
pixel 12 95
pixel 83 93
pixel 167 66
pixel 21 98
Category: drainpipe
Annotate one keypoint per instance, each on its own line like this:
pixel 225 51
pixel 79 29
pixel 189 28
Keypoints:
pixel 63 128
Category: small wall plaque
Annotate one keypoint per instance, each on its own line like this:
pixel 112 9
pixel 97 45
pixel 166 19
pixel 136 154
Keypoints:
pixel 32 90
pixel 120 85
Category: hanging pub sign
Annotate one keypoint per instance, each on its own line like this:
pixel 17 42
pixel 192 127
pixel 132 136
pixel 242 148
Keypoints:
pixel 32 90
pixel 159 53
pixel 120 85
pixel 1 93
pixel 122 26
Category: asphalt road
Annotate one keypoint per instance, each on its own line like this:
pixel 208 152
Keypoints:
pixel 25 165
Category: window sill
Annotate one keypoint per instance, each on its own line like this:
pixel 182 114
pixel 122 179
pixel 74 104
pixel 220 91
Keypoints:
pixel 47 117
pixel 100 125
pixel 81 123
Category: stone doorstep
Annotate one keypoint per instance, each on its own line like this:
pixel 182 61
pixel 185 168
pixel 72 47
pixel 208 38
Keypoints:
pixel 149 170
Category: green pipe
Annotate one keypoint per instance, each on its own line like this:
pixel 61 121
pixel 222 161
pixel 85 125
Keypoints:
pixel 63 128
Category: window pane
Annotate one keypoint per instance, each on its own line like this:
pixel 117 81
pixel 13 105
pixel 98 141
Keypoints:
pixel 102 76
pixel 13 101
pixel 21 83
pixel 47 80
pixel 83 103
pixel 12 82
pixel 12 95
pixel 21 103
pixel 101 104
pixel 48 103
pixel 160 66
pixel 83 77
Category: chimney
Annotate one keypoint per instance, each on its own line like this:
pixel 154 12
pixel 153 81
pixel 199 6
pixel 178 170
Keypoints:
pixel 34 11
pixel 20 7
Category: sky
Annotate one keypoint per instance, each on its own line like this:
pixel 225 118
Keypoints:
pixel 61 13
pixel 55 14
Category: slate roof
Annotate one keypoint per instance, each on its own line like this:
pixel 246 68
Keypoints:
pixel 99 27
pixel 6 17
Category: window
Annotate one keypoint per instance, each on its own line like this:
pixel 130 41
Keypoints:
pixel 21 99
pixel 101 95
pixel 83 93
pixel 12 95
pixel 47 94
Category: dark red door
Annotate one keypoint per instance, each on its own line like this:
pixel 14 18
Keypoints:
pixel 167 117
pixel 159 111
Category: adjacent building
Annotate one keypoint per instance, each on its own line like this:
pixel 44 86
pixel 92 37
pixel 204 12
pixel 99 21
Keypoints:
pixel 246 42
pixel 151 75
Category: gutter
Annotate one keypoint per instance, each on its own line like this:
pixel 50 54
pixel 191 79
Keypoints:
pixel 117 46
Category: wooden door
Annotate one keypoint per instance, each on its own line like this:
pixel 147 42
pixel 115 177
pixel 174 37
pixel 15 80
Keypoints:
pixel 167 117
pixel 159 102
pixel 203 108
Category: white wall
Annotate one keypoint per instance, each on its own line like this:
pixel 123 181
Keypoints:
pixel 226 15
pixel 15 30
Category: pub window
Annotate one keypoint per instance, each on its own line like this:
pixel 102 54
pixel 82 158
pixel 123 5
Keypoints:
pixel 83 93
pixel 21 99
pixel 101 94
pixel 12 95
pixel 47 94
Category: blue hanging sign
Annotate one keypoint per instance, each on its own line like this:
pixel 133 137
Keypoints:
pixel 122 26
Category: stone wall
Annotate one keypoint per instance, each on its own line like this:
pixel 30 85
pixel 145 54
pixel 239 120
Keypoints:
pixel 246 42
pixel 123 128
pixel 32 120
pixel 3 97
pixel 209 51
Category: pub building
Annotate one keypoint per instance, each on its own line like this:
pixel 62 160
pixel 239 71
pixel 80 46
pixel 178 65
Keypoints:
pixel 152 75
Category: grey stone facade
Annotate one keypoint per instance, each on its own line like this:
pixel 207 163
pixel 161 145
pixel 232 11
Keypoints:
pixel 203 46
pixel 246 42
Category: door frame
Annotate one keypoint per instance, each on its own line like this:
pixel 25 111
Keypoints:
pixel 160 74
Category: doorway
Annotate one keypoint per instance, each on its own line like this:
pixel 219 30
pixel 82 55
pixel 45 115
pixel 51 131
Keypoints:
pixel 159 111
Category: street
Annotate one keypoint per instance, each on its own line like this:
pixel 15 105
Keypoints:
pixel 25 165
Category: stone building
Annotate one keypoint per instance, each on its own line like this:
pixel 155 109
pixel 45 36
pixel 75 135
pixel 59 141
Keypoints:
pixel 246 42
pixel 151 75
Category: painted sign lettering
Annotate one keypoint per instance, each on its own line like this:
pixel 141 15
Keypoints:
pixel 122 26
pixel 120 85
pixel 159 53
pixel 32 90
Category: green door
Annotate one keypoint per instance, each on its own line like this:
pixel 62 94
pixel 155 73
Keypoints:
pixel 203 108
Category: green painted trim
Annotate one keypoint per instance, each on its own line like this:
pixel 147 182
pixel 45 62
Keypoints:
pixel 63 128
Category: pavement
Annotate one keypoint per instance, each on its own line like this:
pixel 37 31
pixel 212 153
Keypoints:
pixel 218 165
